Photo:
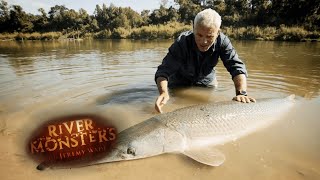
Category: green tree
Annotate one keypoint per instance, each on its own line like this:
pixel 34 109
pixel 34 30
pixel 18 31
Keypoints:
pixel 113 17
pixel 71 20
pixel 173 14
pixel 260 11
pixel 242 7
pixel 102 17
pixel 56 18
pixel 19 20
pixel 134 18
pixel 41 22
pixel 94 26
pixel 112 12
pixel 4 16
pixel 88 23
pixel 188 9
pixel 164 15
pixel 145 17
pixel 159 16
pixel 312 19
pixel 120 21
pixel 220 7
pixel 297 12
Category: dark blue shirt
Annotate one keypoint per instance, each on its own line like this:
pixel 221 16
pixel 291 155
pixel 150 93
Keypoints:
pixel 186 61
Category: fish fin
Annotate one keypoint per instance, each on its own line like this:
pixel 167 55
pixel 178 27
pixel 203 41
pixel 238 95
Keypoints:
pixel 208 156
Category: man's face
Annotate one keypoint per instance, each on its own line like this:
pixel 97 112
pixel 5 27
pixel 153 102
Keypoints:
pixel 205 37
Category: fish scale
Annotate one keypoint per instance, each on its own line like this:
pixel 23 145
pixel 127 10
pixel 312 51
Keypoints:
pixel 223 118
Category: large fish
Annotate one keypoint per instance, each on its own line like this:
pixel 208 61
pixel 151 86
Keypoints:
pixel 195 130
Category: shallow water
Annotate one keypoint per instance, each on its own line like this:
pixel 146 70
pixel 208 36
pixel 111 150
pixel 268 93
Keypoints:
pixel 115 79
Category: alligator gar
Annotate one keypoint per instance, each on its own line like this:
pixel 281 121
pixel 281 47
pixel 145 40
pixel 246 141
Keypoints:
pixel 195 130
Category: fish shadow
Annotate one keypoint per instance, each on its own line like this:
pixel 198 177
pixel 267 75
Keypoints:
pixel 129 96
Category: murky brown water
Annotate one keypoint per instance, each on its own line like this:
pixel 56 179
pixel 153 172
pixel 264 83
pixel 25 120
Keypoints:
pixel 115 79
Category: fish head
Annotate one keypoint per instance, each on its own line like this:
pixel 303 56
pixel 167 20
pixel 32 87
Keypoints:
pixel 137 142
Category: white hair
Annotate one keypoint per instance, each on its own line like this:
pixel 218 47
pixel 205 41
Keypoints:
pixel 208 18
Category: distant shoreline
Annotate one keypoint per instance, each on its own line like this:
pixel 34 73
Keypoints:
pixel 172 31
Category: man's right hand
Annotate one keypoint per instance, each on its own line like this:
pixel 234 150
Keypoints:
pixel 162 84
pixel 161 101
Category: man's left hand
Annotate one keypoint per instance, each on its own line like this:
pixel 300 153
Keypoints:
pixel 244 99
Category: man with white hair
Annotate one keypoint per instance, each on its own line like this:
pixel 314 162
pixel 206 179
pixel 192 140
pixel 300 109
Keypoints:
pixel 192 58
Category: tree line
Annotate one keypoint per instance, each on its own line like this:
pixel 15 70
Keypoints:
pixel 109 19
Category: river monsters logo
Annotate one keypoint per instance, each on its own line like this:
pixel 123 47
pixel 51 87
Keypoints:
pixel 75 138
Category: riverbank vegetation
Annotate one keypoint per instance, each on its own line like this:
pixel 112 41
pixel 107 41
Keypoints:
pixel 296 20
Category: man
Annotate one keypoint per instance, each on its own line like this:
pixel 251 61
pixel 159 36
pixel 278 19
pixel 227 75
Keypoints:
pixel 192 57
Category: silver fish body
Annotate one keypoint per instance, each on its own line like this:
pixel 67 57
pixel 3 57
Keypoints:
pixel 194 130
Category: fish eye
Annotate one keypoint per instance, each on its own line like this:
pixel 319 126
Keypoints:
pixel 131 151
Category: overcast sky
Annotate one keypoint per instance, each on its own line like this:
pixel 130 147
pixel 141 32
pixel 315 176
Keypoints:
pixel 32 6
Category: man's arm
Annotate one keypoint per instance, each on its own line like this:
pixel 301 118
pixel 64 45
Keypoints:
pixel 170 65
pixel 172 61
pixel 163 98
pixel 240 84
pixel 236 68
pixel 230 58
pixel 162 84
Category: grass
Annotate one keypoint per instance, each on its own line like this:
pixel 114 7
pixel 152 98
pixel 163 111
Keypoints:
pixel 283 33
pixel 173 29
pixel 31 36
pixel 162 31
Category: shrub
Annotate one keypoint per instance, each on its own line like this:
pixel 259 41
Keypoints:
pixel 162 31
pixel 291 33
pixel 7 36
pixel 20 36
pixel 104 34
pixel 120 33
pixel 51 35
pixel 34 36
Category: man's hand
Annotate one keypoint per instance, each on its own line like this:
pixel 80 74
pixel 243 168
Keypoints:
pixel 162 84
pixel 161 101
pixel 240 84
pixel 244 99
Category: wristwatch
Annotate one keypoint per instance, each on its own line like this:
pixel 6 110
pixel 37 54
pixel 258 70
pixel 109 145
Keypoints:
pixel 242 92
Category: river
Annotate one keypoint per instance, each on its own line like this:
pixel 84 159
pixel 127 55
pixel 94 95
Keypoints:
pixel 115 79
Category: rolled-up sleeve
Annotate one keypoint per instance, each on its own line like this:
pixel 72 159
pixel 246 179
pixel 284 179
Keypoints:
pixel 230 58
pixel 171 62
